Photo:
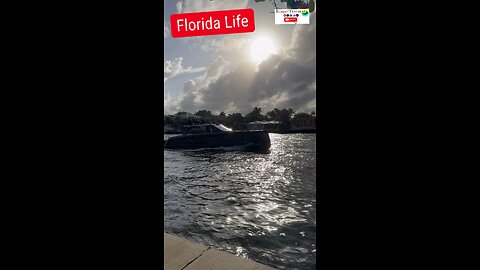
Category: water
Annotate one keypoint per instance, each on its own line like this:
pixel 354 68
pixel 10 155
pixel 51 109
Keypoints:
pixel 257 206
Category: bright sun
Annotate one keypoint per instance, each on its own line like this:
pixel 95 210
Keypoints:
pixel 261 49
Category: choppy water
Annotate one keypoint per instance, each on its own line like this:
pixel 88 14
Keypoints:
pixel 257 206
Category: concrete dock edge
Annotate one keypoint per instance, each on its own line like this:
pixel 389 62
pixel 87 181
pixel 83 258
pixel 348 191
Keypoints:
pixel 182 254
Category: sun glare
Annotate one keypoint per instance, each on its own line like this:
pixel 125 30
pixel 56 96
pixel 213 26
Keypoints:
pixel 261 49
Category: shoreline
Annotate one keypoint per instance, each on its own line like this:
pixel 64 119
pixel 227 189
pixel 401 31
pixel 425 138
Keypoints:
pixel 182 254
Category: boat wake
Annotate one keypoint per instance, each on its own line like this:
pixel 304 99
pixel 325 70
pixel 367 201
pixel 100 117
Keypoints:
pixel 223 148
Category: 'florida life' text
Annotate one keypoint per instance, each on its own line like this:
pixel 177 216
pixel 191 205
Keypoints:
pixel 212 23
pixel 209 24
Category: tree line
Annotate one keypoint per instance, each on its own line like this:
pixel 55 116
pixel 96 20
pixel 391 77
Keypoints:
pixel 286 117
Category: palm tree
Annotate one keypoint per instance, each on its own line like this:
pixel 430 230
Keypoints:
pixel 255 115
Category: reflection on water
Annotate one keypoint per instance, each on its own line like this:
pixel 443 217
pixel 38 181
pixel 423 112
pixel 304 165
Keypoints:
pixel 259 206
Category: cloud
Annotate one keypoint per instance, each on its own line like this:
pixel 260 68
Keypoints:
pixel 226 44
pixel 303 42
pixel 165 31
pixel 170 104
pixel 179 6
pixel 197 6
pixel 284 80
pixel 175 67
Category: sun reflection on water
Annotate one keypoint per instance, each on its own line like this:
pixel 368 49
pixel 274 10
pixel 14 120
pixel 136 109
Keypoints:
pixel 257 206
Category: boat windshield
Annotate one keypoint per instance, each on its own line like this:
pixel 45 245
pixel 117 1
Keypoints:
pixel 201 129
pixel 223 128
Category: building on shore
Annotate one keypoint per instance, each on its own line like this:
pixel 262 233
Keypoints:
pixel 304 122
pixel 168 129
pixel 270 126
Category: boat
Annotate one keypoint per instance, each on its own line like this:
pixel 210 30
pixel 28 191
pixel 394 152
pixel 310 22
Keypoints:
pixel 206 136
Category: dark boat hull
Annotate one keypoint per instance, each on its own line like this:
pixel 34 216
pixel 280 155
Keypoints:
pixel 251 140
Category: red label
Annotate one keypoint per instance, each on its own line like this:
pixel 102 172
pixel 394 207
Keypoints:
pixel 290 19
pixel 212 23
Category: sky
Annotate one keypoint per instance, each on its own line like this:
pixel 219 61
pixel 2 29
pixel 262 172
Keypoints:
pixel 223 72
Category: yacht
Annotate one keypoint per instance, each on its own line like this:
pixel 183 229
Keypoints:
pixel 217 135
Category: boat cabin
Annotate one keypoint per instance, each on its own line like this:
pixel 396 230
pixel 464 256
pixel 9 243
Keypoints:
pixel 206 128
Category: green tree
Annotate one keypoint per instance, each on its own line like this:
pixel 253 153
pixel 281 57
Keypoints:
pixel 204 114
pixel 236 121
pixel 273 115
pixel 303 120
pixel 221 118
pixel 285 117
pixel 168 120
pixel 255 115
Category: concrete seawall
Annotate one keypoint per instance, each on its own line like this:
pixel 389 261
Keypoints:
pixel 181 254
